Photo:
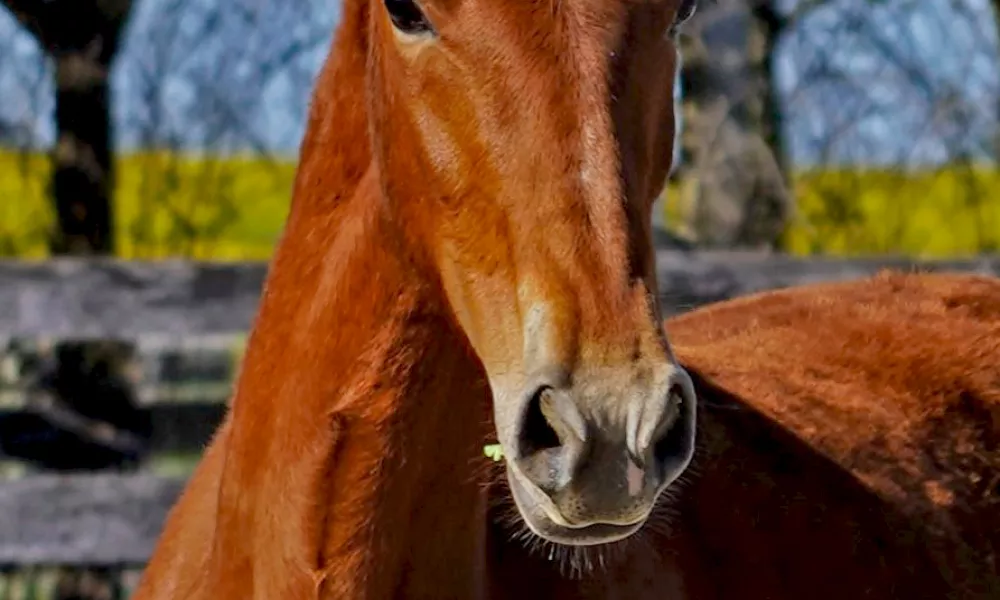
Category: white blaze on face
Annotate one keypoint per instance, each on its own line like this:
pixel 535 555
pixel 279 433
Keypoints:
pixel 634 477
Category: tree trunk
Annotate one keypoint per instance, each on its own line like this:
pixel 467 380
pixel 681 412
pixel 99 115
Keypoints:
pixel 731 145
pixel 765 113
pixel 83 172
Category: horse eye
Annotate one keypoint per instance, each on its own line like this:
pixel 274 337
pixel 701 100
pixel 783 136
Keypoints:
pixel 407 17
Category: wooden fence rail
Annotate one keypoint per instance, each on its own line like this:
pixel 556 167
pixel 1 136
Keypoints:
pixel 109 299
pixel 183 427
pixel 107 519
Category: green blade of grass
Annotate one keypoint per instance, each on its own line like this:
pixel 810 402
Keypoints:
pixel 494 451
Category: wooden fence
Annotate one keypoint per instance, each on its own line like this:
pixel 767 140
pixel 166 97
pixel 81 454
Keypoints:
pixel 111 520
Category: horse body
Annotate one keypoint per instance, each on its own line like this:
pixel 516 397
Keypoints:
pixel 350 463
pixel 873 409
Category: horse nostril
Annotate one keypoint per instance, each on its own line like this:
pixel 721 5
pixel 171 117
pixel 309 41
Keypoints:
pixel 672 439
pixel 551 438
pixel 537 432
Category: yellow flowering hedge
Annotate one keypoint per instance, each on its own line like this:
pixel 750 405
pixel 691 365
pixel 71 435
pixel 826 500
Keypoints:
pixel 945 212
pixel 233 208
pixel 165 205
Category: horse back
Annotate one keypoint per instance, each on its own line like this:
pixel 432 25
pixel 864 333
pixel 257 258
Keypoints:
pixel 850 441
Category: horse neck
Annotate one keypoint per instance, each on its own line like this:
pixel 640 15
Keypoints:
pixel 349 459
pixel 349 456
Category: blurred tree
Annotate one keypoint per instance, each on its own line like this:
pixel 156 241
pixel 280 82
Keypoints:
pixel 995 9
pixel 763 107
pixel 81 37
pixel 734 166
pixel 732 185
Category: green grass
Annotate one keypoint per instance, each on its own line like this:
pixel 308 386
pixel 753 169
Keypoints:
pixel 170 205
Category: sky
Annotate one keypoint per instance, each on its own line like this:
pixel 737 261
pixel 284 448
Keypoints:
pixel 862 81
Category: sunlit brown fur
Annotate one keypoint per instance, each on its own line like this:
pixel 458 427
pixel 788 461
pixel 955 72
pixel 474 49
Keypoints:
pixel 350 464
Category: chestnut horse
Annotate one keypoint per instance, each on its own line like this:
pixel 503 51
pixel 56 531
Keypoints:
pixel 468 259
